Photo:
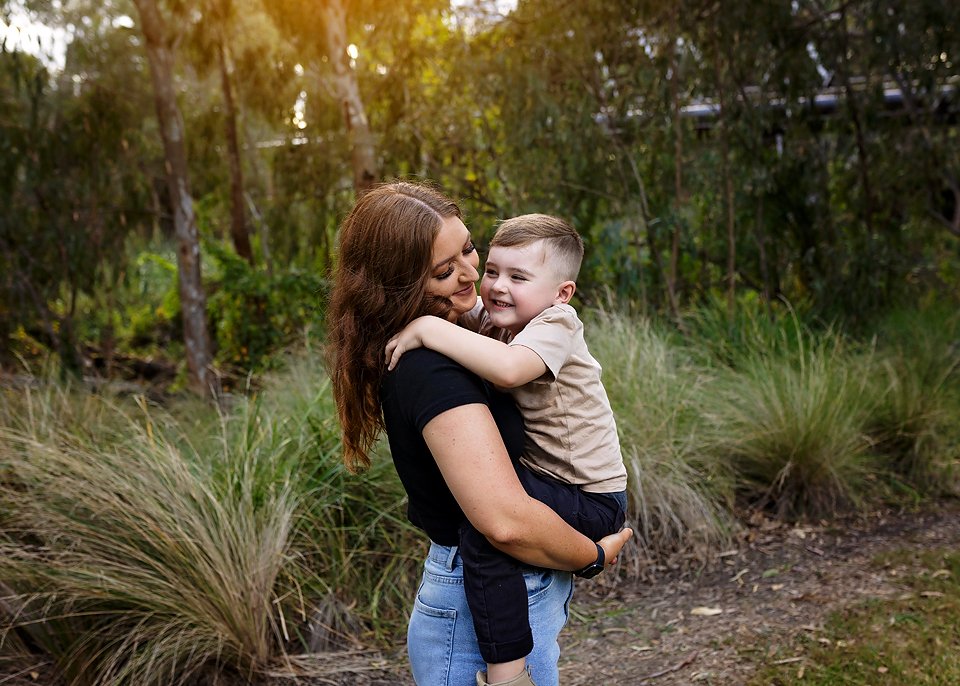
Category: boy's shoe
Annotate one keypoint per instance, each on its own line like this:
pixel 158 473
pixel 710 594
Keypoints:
pixel 522 679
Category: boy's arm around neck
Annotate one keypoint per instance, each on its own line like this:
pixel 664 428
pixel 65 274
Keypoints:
pixel 506 366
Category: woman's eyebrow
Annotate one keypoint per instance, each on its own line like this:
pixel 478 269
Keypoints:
pixel 452 257
pixel 443 262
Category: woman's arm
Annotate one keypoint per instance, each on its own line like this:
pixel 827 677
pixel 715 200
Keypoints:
pixel 507 366
pixel 468 449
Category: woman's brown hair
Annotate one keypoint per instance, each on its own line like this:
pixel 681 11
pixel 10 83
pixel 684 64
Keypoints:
pixel 379 286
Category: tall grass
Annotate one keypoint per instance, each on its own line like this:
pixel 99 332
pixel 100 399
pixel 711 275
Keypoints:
pixel 142 548
pixel 129 563
pixel 792 423
pixel 918 378
pixel 679 495
pixel 353 530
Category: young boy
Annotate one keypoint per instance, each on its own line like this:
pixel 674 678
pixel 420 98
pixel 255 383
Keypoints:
pixel 532 344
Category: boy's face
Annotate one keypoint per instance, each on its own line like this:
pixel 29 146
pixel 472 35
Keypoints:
pixel 517 285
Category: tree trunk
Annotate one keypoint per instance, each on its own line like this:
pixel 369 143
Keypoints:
pixel 362 150
pixel 239 230
pixel 192 298
pixel 678 200
pixel 723 126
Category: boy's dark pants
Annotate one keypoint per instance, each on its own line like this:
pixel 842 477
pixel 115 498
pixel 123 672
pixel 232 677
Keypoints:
pixel 495 588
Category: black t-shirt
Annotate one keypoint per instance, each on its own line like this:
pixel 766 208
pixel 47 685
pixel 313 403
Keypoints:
pixel 423 385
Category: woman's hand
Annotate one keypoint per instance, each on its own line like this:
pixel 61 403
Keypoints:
pixel 612 545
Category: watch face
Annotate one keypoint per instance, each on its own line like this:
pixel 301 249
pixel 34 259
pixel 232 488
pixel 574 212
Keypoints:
pixel 591 571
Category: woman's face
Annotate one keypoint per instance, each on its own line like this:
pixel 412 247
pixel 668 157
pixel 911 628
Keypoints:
pixel 454 273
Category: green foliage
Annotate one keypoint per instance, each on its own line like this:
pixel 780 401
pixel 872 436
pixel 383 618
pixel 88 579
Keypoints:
pixel 793 425
pixel 256 312
pixel 918 379
pixel 354 533
pixel 754 327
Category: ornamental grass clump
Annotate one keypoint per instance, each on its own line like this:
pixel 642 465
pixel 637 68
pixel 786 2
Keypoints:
pixel 678 492
pixel 792 425
pixel 133 563
pixel 914 425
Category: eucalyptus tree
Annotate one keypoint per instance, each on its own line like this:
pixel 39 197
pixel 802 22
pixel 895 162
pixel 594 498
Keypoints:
pixel 211 36
pixel 159 45
pixel 324 31
pixel 232 39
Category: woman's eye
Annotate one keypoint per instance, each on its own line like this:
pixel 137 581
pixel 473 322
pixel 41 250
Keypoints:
pixel 470 248
pixel 445 274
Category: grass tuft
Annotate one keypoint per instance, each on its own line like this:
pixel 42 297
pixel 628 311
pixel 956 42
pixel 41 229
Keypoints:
pixel 792 425
pixel 130 563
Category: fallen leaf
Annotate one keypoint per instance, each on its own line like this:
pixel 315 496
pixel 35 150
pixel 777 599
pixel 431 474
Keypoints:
pixel 931 594
pixel 706 611
pixel 882 670
pixel 767 573
pixel 788 660
pixel 940 572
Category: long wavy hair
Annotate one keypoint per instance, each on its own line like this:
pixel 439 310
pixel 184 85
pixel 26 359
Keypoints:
pixel 379 286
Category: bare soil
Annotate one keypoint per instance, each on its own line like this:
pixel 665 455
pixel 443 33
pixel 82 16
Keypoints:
pixel 713 622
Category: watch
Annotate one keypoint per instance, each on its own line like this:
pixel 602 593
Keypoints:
pixel 595 567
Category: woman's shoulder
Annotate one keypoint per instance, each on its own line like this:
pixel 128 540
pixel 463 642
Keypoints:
pixel 424 384
pixel 425 368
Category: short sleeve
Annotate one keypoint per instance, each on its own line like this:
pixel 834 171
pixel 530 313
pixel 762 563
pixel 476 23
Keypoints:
pixel 553 335
pixel 431 384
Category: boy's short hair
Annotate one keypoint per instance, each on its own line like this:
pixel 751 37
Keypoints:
pixel 563 243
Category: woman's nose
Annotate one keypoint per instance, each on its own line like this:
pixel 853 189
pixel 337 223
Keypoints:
pixel 470 272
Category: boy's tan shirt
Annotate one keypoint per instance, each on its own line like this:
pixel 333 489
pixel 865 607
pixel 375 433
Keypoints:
pixel 571 433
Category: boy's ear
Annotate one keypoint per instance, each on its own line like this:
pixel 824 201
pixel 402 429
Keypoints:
pixel 565 291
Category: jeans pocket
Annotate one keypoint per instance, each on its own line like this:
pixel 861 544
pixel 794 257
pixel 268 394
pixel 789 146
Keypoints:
pixel 430 637
pixel 538 583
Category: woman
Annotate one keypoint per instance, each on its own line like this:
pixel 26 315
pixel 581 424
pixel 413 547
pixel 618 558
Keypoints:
pixel 404 252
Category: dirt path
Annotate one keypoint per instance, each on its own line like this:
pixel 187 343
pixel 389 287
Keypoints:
pixel 711 625
pixel 746 606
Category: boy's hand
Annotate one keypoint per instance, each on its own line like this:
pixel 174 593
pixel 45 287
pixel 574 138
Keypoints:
pixel 409 338
pixel 612 544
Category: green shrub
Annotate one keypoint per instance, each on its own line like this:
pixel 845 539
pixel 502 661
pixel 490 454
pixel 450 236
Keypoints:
pixel 914 426
pixel 792 425
pixel 255 313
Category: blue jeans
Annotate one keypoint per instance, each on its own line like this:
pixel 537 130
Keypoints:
pixel 441 641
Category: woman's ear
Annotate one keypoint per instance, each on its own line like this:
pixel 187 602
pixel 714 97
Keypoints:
pixel 565 291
